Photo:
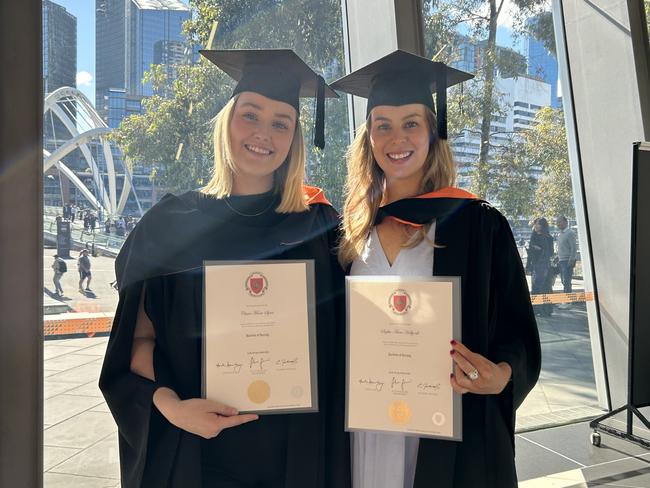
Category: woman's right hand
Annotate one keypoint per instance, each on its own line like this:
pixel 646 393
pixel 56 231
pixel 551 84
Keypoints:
pixel 205 418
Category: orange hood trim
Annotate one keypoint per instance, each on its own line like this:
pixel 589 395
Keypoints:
pixel 313 194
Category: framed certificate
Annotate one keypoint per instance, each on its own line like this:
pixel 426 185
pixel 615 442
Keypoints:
pixel 398 363
pixel 259 335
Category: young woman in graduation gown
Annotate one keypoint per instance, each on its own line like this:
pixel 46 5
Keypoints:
pixel 255 207
pixel 403 216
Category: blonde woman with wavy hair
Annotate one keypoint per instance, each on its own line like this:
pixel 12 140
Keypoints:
pixel 255 207
pixel 403 216
pixel 366 181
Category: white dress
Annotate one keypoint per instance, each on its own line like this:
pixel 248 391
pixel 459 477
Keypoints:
pixel 388 460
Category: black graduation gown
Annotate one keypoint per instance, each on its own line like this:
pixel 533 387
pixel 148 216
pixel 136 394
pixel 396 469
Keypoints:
pixel 165 251
pixel 497 322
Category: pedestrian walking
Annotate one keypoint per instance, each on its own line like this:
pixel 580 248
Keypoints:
pixel 540 252
pixel 59 266
pixel 84 270
pixel 567 251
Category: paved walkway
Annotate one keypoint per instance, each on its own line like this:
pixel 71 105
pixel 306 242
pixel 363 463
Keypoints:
pixel 80 438
pixel 566 389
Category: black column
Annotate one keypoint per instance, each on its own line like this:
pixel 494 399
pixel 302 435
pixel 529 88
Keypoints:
pixel 21 250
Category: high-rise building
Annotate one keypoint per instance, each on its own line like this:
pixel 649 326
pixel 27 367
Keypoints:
pixel 59 47
pixel 59 63
pixel 542 64
pixel 469 55
pixel 131 35
pixel 59 70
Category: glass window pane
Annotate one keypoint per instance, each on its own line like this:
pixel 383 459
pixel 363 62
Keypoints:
pixel 517 158
pixel 128 117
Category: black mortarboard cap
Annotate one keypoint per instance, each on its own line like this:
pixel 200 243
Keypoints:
pixel 401 78
pixel 279 74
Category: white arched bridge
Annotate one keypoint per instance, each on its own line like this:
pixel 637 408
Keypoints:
pixel 73 109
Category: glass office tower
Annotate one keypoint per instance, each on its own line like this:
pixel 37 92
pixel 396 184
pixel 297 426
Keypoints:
pixel 542 64
pixel 130 37
pixel 59 47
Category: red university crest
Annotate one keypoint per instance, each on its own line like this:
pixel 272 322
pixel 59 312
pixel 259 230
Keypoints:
pixel 400 302
pixel 256 284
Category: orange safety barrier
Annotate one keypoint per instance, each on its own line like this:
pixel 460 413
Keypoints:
pixel 580 296
pixel 94 323
pixel 77 323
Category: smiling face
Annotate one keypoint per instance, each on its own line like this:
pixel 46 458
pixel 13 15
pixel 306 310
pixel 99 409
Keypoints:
pixel 261 132
pixel 400 138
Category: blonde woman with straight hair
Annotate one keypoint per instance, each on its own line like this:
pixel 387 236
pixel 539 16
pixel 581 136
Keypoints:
pixel 403 216
pixel 255 207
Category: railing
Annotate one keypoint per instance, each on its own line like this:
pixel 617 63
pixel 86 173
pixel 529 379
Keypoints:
pixel 83 237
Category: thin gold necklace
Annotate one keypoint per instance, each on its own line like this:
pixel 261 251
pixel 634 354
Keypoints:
pixel 245 214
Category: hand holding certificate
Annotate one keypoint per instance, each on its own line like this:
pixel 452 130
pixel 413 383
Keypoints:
pixel 259 349
pixel 398 368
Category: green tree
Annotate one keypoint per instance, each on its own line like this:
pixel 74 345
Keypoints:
pixel 183 115
pixel 541 150
pixel 512 174
pixel 152 139
pixel 546 148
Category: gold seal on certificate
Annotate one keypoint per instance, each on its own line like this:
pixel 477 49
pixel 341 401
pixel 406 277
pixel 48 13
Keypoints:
pixel 259 343
pixel 398 361
pixel 259 391
pixel 399 412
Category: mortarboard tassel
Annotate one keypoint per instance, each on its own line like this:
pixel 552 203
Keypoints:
pixel 319 126
pixel 441 102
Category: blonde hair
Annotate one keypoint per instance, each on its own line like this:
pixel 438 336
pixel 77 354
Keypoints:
pixel 287 179
pixel 364 187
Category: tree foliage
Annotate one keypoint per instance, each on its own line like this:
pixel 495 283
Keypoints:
pixel 512 174
pixel 532 171
pixel 546 147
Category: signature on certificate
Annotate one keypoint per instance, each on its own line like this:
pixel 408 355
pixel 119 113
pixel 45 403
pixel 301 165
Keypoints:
pixel 282 362
pixel 257 364
pixel 428 387
pixel 235 367
pixel 399 384
pixel 372 384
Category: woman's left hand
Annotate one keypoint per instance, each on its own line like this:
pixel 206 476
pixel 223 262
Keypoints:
pixel 491 380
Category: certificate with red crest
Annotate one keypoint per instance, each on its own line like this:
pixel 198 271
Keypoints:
pixel 398 364
pixel 259 335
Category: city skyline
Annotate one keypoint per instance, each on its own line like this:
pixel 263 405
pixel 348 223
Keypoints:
pixel 84 11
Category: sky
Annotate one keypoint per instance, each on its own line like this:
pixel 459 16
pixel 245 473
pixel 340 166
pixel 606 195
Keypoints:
pixel 84 10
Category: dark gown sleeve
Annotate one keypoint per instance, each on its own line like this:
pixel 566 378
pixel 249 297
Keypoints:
pixel 128 395
pixel 516 338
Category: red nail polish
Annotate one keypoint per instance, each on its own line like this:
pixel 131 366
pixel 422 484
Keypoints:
pixel 453 342
pixel 452 352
